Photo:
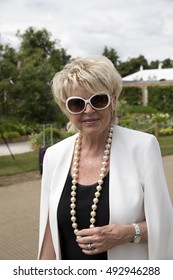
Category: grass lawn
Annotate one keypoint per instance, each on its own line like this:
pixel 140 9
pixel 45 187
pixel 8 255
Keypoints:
pixel 166 145
pixel 23 163
pixel 30 161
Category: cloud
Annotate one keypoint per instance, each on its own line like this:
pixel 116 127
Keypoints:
pixel 131 27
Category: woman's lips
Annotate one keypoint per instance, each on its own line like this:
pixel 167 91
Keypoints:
pixel 90 121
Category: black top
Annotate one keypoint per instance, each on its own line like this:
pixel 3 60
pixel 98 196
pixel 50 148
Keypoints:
pixel 70 250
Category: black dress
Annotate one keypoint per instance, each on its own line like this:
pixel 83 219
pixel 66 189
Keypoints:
pixel 70 250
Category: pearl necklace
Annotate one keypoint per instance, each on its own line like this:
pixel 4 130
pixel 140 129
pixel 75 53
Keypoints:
pixel 100 181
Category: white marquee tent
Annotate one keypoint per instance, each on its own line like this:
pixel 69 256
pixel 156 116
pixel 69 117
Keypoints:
pixel 149 77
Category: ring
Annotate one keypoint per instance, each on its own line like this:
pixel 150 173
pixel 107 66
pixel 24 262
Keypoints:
pixel 90 247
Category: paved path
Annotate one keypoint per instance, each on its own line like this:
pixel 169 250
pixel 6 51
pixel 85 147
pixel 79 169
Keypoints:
pixel 19 217
pixel 15 148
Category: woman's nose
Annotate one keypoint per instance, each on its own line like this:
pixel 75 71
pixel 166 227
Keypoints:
pixel 88 108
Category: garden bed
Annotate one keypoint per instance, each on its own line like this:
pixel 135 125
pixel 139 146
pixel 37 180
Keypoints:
pixel 19 139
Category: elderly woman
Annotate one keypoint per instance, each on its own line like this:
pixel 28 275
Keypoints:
pixel 104 193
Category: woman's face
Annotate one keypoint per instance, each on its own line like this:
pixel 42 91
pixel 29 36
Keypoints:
pixel 90 121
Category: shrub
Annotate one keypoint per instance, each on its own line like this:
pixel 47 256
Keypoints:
pixel 7 125
pixel 166 131
pixel 9 135
pixel 143 109
pixel 57 135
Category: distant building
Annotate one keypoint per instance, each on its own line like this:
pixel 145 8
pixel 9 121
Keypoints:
pixel 149 77
pixel 160 74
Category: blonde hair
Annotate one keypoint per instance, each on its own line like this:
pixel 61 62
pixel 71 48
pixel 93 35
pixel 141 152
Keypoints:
pixel 94 73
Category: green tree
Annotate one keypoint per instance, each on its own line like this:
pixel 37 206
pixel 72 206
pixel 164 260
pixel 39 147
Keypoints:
pixel 112 55
pixel 33 39
pixel 39 59
pixel 8 76
pixel 132 65
pixel 167 63
pixel 34 98
pixel 59 58
pixel 161 98
pixel 154 64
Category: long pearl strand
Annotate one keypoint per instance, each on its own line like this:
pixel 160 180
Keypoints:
pixel 100 181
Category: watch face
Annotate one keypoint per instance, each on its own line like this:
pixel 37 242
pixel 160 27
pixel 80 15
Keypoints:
pixel 137 239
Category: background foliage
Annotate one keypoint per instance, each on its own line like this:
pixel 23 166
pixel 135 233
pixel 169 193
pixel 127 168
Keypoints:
pixel 25 84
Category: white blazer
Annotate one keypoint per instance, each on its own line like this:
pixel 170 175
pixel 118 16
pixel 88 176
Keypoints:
pixel 138 191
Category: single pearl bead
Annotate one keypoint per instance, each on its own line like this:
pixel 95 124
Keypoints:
pixel 73 219
pixel 94 206
pixel 76 158
pixel 99 188
pixel 104 163
pixel 74 225
pixel 73 199
pixel 108 146
pixel 74 176
pixel 103 169
pixel 75 170
pixel 109 140
pixel 92 220
pixel 93 213
pixel 95 200
pixel 105 157
pixel 100 181
pixel 73 212
pixel 73 193
pixel 73 205
pixel 74 187
pixel 97 194
pixel 92 226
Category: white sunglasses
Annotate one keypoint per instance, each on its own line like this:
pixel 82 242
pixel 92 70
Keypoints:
pixel 77 105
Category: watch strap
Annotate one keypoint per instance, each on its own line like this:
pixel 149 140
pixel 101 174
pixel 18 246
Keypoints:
pixel 137 236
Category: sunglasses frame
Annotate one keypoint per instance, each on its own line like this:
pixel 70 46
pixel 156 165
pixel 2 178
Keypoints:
pixel 87 101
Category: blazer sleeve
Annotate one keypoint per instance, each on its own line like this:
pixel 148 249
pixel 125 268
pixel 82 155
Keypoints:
pixel 44 200
pixel 157 204
pixel 57 160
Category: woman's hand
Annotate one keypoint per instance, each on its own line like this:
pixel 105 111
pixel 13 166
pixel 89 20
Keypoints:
pixel 100 239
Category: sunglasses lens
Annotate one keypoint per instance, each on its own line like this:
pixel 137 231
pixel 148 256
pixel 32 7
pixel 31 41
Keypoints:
pixel 100 101
pixel 76 105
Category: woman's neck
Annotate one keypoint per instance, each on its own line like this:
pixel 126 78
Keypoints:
pixel 94 144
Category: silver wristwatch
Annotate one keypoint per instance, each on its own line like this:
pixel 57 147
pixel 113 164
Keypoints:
pixel 137 237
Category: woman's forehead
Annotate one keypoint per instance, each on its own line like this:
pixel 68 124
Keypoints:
pixel 82 92
pixel 87 92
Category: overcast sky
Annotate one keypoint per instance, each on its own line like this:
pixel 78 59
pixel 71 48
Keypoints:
pixel 85 27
